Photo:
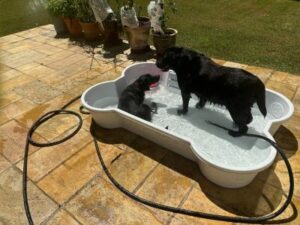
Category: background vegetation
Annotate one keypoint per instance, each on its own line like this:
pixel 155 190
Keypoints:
pixel 257 32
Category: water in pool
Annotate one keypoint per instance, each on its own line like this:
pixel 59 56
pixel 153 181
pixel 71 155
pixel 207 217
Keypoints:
pixel 212 143
pixel 106 102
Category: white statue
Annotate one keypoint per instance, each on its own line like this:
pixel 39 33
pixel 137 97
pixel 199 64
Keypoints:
pixel 156 14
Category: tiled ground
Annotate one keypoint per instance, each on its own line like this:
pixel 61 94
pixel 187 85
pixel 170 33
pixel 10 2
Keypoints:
pixel 67 185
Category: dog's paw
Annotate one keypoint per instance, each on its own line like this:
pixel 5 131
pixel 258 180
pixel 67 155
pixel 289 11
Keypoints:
pixel 200 105
pixel 154 107
pixel 233 133
pixel 181 112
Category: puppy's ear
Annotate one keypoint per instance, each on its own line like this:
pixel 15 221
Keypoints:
pixel 143 82
pixel 145 86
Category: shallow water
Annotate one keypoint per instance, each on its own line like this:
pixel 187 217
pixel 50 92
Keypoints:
pixel 212 143
pixel 106 102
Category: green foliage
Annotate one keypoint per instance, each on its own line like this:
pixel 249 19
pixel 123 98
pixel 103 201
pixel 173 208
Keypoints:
pixel 84 11
pixel 168 6
pixel 70 10
pixel 63 8
pixel 55 7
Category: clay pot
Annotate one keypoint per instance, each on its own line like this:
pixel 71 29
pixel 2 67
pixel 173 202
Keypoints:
pixel 59 25
pixel 90 31
pixel 138 36
pixel 162 42
pixel 73 26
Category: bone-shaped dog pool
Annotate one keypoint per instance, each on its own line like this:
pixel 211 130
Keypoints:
pixel 225 160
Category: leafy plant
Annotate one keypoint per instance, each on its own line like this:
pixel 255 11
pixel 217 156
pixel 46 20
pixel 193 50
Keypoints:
pixel 69 9
pixel 63 8
pixel 168 5
pixel 55 7
pixel 84 11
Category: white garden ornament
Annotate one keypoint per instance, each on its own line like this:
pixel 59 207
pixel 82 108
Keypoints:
pixel 156 14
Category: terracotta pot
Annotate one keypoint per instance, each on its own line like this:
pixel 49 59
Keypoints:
pixel 162 42
pixel 111 32
pixel 59 25
pixel 138 37
pixel 73 26
pixel 90 30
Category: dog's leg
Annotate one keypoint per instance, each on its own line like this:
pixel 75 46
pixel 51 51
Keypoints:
pixel 185 99
pixel 154 107
pixel 201 103
pixel 144 112
pixel 241 116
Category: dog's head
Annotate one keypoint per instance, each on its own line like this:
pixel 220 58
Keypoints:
pixel 178 59
pixel 145 81
pixel 168 59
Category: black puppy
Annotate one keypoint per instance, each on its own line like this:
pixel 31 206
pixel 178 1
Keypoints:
pixel 234 88
pixel 132 98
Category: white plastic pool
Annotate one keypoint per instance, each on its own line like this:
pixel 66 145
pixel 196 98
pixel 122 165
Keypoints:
pixel 226 161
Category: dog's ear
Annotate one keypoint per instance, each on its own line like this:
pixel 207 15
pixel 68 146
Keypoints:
pixel 143 82
pixel 145 86
pixel 195 65
pixel 184 60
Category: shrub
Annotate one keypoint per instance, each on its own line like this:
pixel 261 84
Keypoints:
pixel 63 8
pixel 84 11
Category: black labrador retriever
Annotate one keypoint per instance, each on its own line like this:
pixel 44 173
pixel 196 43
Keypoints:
pixel 236 89
pixel 132 98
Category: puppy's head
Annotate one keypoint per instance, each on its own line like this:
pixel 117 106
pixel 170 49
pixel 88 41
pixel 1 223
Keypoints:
pixel 145 81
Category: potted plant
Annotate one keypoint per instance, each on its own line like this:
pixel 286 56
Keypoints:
pixel 163 36
pixel 55 9
pixel 70 18
pixel 87 19
pixel 107 20
pixel 137 28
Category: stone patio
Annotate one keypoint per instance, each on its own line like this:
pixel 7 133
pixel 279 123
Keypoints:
pixel 67 186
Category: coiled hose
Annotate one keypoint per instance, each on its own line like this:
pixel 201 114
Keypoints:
pixel 210 216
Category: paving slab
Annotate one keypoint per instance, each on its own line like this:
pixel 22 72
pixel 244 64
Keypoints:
pixel 11 207
pixel 40 72
pixel 73 174
pixel 102 203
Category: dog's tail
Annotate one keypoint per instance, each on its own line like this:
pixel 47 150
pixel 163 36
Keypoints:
pixel 261 98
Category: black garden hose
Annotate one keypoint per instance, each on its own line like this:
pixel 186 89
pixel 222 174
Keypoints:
pixel 51 114
pixel 29 141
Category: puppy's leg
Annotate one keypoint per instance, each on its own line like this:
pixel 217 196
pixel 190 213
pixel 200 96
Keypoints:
pixel 241 116
pixel 144 112
pixel 185 100
pixel 154 107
